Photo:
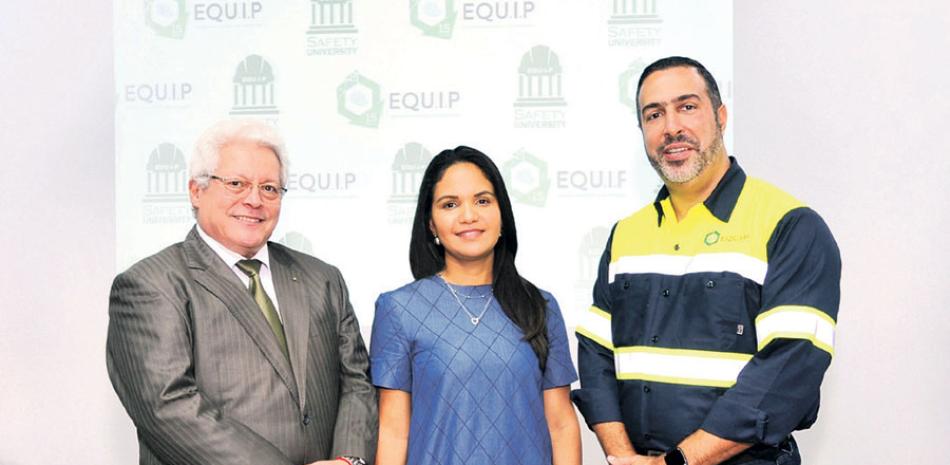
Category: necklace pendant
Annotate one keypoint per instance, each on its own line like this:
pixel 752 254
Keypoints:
pixel 475 321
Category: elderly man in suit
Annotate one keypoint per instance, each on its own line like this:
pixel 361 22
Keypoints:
pixel 229 349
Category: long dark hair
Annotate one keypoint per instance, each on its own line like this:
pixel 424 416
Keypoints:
pixel 519 299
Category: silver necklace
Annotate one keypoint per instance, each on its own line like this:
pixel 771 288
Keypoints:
pixel 474 319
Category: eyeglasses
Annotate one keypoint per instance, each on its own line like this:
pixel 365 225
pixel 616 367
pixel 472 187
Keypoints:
pixel 268 190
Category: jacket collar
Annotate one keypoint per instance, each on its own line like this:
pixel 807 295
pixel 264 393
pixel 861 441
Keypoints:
pixel 721 202
pixel 211 272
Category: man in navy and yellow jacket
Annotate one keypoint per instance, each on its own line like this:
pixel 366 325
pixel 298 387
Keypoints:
pixel 714 308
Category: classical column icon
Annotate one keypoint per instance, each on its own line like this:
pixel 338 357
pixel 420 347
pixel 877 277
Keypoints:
pixel 254 87
pixel 331 17
pixel 539 79
pixel 166 175
pixel 634 12
pixel 407 170
pixel 588 255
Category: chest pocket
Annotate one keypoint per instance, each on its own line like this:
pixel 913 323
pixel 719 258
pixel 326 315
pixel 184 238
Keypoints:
pixel 712 313
pixel 631 302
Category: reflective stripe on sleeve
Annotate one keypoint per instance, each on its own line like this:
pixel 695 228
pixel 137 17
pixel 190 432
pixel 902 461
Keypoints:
pixel 679 366
pixel 595 324
pixel 796 322
pixel 677 265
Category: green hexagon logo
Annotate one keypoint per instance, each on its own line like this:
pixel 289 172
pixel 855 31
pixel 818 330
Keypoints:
pixel 297 241
pixel 527 178
pixel 435 18
pixel 711 238
pixel 167 18
pixel 628 84
pixel 358 99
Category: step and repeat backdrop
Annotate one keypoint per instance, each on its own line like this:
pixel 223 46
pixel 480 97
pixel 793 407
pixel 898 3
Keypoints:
pixel 366 92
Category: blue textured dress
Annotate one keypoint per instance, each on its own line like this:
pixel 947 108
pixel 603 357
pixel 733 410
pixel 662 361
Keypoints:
pixel 477 391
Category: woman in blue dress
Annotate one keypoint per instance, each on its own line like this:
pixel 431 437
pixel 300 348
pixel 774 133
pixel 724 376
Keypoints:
pixel 471 359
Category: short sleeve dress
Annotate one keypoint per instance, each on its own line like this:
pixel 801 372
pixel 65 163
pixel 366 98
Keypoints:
pixel 477 390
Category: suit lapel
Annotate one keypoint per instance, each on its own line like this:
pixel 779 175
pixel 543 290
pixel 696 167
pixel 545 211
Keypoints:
pixel 295 311
pixel 214 275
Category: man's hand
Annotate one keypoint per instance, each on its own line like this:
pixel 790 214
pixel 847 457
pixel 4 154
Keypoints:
pixel 330 462
pixel 635 460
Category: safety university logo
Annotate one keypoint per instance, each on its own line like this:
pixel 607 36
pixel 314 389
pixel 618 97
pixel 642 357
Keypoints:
pixel 166 175
pixel 408 167
pixel 253 88
pixel 331 17
pixel 634 23
pixel 407 170
pixel 539 79
pixel 435 18
pixel 540 99
pixel 167 18
pixel 166 181
pixel 358 100
pixel 588 255
pixel 332 30
pixel 634 12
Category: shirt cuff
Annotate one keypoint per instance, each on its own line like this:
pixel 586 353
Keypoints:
pixel 597 405
pixel 731 420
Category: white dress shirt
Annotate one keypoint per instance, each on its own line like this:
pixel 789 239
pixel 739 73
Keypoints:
pixel 231 258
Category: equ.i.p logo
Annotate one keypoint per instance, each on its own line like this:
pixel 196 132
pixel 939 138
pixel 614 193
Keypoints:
pixel 527 178
pixel 254 87
pixel 358 100
pixel 167 18
pixel 435 18
pixel 711 238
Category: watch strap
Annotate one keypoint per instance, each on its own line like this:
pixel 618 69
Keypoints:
pixel 351 460
pixel 675 457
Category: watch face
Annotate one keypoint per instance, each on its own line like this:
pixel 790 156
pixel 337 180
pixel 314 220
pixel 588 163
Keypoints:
pixel 674 457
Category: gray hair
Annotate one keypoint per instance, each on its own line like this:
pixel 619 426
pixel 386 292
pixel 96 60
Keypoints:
pixel 229 131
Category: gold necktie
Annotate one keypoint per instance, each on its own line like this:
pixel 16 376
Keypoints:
pixel 252 268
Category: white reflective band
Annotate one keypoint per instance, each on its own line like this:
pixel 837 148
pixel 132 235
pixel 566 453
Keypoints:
pixel 595 324
pixel 679 366
pixel 796 322
pixel 677 265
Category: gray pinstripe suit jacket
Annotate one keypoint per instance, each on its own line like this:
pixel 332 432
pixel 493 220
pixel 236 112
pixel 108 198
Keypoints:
pixel 201 374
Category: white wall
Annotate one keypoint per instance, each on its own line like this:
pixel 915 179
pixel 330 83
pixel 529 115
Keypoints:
pixel 56 129
pixel 845 104
pixel 841 103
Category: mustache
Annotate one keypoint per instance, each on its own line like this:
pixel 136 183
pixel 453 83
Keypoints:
pixel 679 138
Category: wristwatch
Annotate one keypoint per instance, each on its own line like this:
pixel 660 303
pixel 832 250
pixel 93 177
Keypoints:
pixel 352 460
pixel 675 457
